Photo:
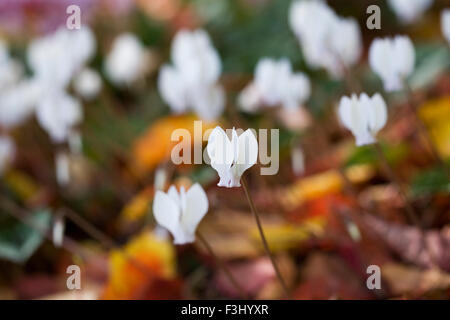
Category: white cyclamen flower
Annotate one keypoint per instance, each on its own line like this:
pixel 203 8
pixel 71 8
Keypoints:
pixel 393 60
pixel 191 82
pixel 445 24
pixel 328 41
pixel 6 152
pixel 409 11
pixel 276 84
pixel 127 60
pixel 180 213
pixel 363 116
pixel 57 57
pixel 230 158
pixel 87 83
pixel 58 113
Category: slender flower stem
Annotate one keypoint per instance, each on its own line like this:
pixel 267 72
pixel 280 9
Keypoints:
pixel 263 238
pixel 393 177
pixel 223 266
pixel 413 107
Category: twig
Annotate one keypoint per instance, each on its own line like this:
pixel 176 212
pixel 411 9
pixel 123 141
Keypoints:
pixel 263 238
pixel 223 266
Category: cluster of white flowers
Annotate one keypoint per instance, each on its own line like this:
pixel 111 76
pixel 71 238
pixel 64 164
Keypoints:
pixel 363 116
pixel 393 60
pixel 328 41
pixel 445 24
pixel 55 60
pixel 127 60
pixel 191 82
pixel 275 84
pixel 181 212
pixel 409 11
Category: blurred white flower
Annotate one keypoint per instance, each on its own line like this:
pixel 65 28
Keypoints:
pixel 11 70
pixel 180 213
pixel 393 60
pixel 7 151
pixel 363 116
pixel 275 84
pixel 230 158
pixel 127 60
pixel 58 113
pixel 17 102
pixel 57 57
pixel 409 11
pixel 87 83
pixel 62 168
pixel 191 82
pixel 445 24
pixel 328 41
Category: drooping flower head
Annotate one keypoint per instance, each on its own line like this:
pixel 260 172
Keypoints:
pixel 364 116
pixel 230 158
pixel 181 212
pixel 445 24
pixel 328 41
pixel 409 11
pixel 275 84
pixel 393 60
pixel 191 82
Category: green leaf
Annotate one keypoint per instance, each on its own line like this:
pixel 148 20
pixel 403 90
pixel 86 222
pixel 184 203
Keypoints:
pixel 367 154
pixel 429 182
pixel 18 241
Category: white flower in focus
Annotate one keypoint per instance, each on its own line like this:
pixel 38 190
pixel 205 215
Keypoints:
pixel 58 113
pixel 393 60
pixel 445 24
pixel 230 158
pixel 363 116
pixel 191 82
pixel 328 41
pixel 127 60
pixel 7 150
pixel 57 57
pixel 275 84
pixel 409 11
pixel 181 212
pixel 87 83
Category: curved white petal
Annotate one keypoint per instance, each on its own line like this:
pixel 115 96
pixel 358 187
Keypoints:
pixel 445 24
pixel 196 208
pixel 220 151
pixel 172 89
pixel 378 113
pixel 167 213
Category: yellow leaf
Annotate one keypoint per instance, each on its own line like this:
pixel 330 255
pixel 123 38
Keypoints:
pixel 138 206
pixel 144 258
pixel 436 115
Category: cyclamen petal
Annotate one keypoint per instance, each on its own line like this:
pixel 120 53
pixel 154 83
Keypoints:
pixel 230 158
pixel 363 116
pixel 181 212
pixel 409 11
pixel 393 60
